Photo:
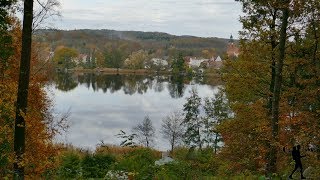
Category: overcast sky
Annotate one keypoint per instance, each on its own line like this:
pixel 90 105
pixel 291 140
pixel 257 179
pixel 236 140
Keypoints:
pixel 206 18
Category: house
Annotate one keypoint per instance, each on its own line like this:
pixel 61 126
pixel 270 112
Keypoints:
pixel 194 62
pixel 159 62
pixel 213 63
pixel 82 58
pixel 218 59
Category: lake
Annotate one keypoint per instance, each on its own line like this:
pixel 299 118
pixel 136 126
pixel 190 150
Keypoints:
pixel 101 105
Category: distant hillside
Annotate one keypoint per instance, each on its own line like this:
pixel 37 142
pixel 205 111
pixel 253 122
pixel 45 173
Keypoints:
pixel 149 41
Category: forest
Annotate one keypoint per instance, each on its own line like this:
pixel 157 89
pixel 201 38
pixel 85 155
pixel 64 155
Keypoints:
pixel 268 105
pixel 150 41
pixel 91 49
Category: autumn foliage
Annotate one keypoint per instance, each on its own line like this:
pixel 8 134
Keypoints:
pixel 249 86
pixel 40 126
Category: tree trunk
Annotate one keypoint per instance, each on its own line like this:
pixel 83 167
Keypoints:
pixel 273 60
pixel 216 144
pixel 316 38
pixel 23 86
pixel 271 87
pixel 172 143
pixel 199 139
pixel 277 89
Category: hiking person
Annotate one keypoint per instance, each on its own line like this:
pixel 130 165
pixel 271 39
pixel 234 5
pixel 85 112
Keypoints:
pixel 297 159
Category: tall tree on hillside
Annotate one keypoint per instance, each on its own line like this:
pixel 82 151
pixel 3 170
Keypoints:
pixel 266 21
pixel 216 111
pixel 23 88
pixel 267 14
pixel 278 87
pixel 265 84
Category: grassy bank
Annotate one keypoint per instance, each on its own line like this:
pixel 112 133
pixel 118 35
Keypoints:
pixel 114 162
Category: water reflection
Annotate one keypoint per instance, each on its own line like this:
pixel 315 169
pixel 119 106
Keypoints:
pixel 65 82
pixel 102 104
pixel 129 84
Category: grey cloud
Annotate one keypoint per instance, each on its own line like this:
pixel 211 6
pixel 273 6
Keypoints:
pixel 176 17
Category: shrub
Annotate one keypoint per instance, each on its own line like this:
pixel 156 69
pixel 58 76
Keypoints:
pixel 177 170
pixel 70 166
pixel 204 161
pixel 96 165
pixel 139 162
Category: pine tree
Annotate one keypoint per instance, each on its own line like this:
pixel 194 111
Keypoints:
pixel 192 120
pixel 216 110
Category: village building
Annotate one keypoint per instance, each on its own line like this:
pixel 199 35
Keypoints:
pixel 82 58
pixel 213 63
pixel 204 63
pixel 156 63
pixel 194 62
pixel 159 62
pixel 232 50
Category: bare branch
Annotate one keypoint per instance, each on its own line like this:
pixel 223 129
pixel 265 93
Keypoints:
pixel 48 9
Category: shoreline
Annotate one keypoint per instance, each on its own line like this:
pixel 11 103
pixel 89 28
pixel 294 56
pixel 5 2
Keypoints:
pixel 119 71
pixel 133 71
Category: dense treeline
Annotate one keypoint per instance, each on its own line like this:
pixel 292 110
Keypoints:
pixel 111 49
pixel 147 40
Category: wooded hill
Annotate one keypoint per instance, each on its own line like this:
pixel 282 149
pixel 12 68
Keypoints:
pixel 149 41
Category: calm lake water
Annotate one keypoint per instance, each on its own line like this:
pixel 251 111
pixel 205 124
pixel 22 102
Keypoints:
pixel 102 105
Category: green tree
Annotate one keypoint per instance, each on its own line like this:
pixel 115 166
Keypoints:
pixel 115 54
pixel 128 139
pixel 192 120
pixel 113 59
pixel 65 57
pixel 216 110
pixel 137 60
pixel 178 65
